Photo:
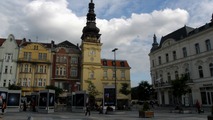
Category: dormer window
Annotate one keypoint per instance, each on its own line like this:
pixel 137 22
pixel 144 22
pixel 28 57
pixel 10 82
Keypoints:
pixel 113 63
pixel 105 63
pixel 122 63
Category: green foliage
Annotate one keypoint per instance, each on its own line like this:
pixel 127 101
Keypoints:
pixel 180 87
pixel 92 89
pixel 145 106
pixel 124 89
pixel 144 91
pixel 58 91
pixel 14 87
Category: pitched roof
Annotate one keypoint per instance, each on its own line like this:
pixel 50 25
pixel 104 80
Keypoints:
pixel 178 34
pixel 119 63
pixel 67 44
pixel 2 41
pixel 18 41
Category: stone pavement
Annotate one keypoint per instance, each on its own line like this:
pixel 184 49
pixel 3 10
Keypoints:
pixel 161 113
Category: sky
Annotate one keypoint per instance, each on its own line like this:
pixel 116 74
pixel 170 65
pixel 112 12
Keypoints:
pixel 128 25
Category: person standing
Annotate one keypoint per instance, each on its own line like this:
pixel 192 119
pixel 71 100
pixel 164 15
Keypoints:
pixel 3 107
pixel 24 106
pixel 198 106
pixel 87 110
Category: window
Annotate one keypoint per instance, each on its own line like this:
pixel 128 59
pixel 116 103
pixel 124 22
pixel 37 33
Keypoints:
pixel 44 82
pixel 29 82
pixel 161 78
pixel 74 60
pixel 105 63
pixel 187 73
pixel 211 69
pixel 197 48
pixel 122 74
pixel 11 69
pixel 159 60
pixel 4 84
pixel 8 57
pixel 65 59
pixel 26 68
pixel 24 82
pixel 57 70
pixel 208 45
pixel 74 72
pixel 6 69
pixel 153 63
pixel 122 64
pixel 168 77
pixel 61 71
pixel 40 82
pixel 113 74
pixel 64 71
pixel 41 69
pixel 105 73
pixel 167 57
pixel 27 55
pixel 184 52
pixel 45 69
pixel 200 69
pixel 30 68
pixel 57 59
pixel 91 75
pixel 44 56
pixel 176 75
pixel 40 56
pixel 174 55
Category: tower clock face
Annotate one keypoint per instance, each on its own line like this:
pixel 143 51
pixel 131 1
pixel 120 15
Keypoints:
pixel 92 52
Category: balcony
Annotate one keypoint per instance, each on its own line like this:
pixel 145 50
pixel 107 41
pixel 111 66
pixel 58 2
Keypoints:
pixel 30 60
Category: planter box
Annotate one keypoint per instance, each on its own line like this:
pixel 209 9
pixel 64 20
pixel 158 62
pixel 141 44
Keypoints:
pixel 146 114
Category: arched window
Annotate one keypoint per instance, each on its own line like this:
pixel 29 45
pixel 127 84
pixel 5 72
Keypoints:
pixel 168 77
pixel 211 69
pixel 200 70
pixel 187 73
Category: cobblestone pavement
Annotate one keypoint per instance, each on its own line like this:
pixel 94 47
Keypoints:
pixel 160 113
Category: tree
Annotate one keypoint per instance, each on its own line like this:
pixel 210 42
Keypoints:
pixel 179 88
pixel 92 93
pixel 124 89
pixel 145 91
pixel 58 91
pixel 14 87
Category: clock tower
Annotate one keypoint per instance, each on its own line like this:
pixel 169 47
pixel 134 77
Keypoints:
pixel 91 51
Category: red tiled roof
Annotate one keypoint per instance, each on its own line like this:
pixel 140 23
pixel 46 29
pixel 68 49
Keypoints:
pixel 2 41
pixel 119 63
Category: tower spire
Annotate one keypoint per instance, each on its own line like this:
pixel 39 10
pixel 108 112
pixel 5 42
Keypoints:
pixel 155 43
pixel 90 30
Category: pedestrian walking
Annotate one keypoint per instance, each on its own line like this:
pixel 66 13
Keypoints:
pixel 24 106
pixel 87 110
pixel 3 107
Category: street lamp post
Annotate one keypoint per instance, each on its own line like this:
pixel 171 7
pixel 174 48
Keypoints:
pixel 114 50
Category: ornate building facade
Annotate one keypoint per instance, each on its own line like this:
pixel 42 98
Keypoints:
pixel 34 66
pixel 186 51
